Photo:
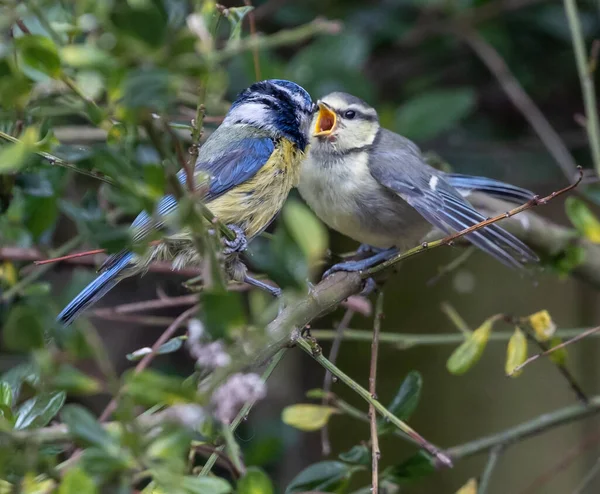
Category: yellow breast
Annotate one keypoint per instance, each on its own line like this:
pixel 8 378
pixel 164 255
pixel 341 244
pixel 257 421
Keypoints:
pixel 255 203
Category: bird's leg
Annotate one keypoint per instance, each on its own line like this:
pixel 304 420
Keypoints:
pixel 362 264
pixel 238 244
pixel 368 249
pixel 272 290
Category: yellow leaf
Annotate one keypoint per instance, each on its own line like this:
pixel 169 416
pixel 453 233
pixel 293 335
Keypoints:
pixel 8 273
pixel 307 417
pixel 542 325
pixel 470 351
pixel 559 357
pixel 516 352
pixel 469 488
pixel 37 485
pixel 5 487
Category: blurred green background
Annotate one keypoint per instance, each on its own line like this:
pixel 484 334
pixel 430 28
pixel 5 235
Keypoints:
pixel 405 58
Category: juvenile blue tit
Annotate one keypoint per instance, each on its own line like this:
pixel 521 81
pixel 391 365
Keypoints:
pixel 252 160
pixel 374 186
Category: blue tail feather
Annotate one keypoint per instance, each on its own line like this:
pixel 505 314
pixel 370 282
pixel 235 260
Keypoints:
pixel 489 186
pixel 94 291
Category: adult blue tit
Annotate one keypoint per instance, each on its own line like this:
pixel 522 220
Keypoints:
pixel 374 186
pixel 251 162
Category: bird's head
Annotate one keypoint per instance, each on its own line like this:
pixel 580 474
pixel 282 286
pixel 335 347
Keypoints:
pixel 275 105
pixel 343 123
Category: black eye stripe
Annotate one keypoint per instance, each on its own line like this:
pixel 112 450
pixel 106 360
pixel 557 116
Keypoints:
pixel 358 115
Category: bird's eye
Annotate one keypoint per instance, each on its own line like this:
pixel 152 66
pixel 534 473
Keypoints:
pixel 350 114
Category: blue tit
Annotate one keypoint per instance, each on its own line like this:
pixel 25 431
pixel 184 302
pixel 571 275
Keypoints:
pixel 249 164
pixel 374 186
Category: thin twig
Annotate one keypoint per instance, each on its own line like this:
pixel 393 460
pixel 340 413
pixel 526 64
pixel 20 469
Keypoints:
pixel 513 89
pixel 557 347
pixel 22 26
pixel 484 483
pixel 375 451
pixel 328 379
pixel 243 413
pixel 313 349
pixel 528 429
pixel 455 318
pixel 587 83
pixel 255 55
pixel 536 201
pixel 410 340
pixel 184 316
pixel 588 478
pixel 452 265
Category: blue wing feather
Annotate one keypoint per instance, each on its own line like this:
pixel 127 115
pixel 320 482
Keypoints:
pixel 489 186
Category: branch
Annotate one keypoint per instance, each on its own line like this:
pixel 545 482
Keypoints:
pixel 525 430
pixel 375 452
pixel 587 83
pixel 519 97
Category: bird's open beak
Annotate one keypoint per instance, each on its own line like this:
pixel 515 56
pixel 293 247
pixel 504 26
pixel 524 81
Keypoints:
pixel 326 121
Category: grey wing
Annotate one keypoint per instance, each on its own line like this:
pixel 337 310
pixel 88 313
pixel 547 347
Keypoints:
pixel 403 171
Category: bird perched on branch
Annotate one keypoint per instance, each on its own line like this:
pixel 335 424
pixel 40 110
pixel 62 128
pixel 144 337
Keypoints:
pixel 252 160
pixel 374 186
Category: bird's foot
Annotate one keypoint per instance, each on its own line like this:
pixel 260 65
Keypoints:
pixel 369 287
pixel 270 289
pixel 238 244
pixel 361 265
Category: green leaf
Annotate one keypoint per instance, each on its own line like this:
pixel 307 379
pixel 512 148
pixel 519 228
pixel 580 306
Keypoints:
pixel 22 373
pixel 404 403
pixel 235 16
pixel 152 388
pixel 223 313
pixel 74 381
pixel 559 357
pixel 170 346
pixel 144 20
pixel 516 353
pixel 326 476
pixel 583 219
pixel 86 57
pixel 205 485
pixel 39 410
pixel 6 394
pixel 14 156
pixel 76 481
pixel 23 329
pixel 307 417
pixel 566 260
pixel 84 426
pixel 470 351
pixel 255 481
pixel 358 455
pixel 416 467
pixel 149 89
pixel 39 53
pixel 434 112
pixel 306 230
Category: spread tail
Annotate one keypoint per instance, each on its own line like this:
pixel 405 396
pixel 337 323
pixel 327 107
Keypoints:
pixel 94 291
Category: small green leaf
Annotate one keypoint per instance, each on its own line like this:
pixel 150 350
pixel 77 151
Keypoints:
pixel 306 230
pixel 84 426
pixel 205 485
pixel 86 57
pixel 358 455
pixel 223 313
pixel 39 410
pixel 23 329
pixel 14 156
pixel 416 467
pixel 70 379
pixel 567 260
pixel 470 351
pixel 235 16
pixel 516 353
pixel 76 481
pixel 255 481
pixel 404 403
pixel 39 53
pixel 326 476
pixel 559 357
pixel 583 219
pixel 152 388
pixel 434 112
pixel 22 373
pixel 6 395
pixel 170 346
pixel 307 417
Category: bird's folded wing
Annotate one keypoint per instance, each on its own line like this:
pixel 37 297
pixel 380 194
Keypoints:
pixel 229 169
pixel 496 188
pixel 426 190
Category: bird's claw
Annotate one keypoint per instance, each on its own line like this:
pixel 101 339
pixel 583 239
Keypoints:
pixel 238 244
pixel 369 287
